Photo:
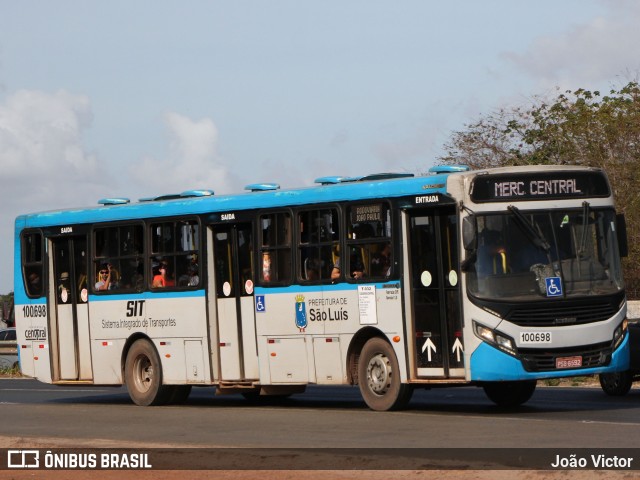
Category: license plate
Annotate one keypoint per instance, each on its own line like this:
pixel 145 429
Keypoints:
pixel 568 362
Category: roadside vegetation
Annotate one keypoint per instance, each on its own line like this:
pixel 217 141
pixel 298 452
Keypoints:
pixel 583 381
pixel 10 372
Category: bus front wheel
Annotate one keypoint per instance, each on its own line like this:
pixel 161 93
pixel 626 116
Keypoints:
pixel 616 384
pixel 143 375
pixel 510 394
pixel 379 377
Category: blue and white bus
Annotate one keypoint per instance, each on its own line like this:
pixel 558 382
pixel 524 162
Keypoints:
pixel 495 278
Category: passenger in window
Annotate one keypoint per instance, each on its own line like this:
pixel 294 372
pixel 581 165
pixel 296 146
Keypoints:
pixel 35 286
pixel 312 269
pixel 266 267
pixel 164 278
pixel 194 278
pixel 191 278
pixel 357 268
pixel 381 263
pixel 335 271
pixel 63 287
pixel 104 277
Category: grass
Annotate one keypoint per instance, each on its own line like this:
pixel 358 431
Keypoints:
pixel 11 372
pixel 584 381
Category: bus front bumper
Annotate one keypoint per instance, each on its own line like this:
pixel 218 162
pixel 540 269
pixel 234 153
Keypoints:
pixel 489 364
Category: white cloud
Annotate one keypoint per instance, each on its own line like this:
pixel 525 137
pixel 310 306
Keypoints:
pixel 43 161
pixel 34 126
pixel 192 161
pixel 586 55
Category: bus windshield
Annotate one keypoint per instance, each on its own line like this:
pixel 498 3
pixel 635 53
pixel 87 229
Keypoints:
pixel 526 255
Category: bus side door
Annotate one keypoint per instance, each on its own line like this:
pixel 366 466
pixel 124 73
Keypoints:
pixel 68 295
pixel 232 271
pixel 431 273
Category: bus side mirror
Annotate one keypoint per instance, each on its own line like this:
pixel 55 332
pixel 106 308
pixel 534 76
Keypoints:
pixel 621 231
pixel 469 237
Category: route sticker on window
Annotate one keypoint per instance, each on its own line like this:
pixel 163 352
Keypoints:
pixel 554 286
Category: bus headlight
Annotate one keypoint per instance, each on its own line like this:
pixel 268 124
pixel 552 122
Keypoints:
pixel 495 338
pixel 618 334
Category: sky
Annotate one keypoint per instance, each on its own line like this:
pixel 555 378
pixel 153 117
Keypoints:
pixel 138 98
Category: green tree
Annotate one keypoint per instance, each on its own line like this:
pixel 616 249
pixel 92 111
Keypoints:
pixel 575 128
pixel 6 308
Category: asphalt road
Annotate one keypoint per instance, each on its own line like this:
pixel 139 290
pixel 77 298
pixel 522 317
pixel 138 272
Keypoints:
pixel 323 417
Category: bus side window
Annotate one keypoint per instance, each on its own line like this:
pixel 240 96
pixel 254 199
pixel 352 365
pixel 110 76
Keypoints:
pixel 369 241
pixel 176 245
pixel 275 250
pixel 318 235
pixel 118 251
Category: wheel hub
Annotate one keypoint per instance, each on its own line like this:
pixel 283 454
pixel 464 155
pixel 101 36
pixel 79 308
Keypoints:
pixel 144 373
pixel 379 374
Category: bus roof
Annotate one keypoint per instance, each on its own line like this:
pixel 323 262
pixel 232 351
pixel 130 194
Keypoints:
pixel 259 195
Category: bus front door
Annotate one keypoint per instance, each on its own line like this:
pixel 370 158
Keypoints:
pixel 69 295
pixel 433 314
pixel 233 268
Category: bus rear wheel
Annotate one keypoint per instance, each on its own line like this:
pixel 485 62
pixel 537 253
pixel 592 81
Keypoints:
pixel 379 377
pixel 510 394
pixel 143 375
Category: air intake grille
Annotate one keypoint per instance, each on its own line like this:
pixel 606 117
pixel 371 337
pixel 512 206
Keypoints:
pixel 535 360
pixel 556 315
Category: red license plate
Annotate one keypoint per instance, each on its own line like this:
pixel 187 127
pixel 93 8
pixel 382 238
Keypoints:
pixel 568 362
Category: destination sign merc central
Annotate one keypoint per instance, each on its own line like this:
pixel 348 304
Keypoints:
pixel 556 185
pixel 536 187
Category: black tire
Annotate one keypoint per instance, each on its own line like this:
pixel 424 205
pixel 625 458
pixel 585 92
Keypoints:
pixel 143 375
pixel 379 377
pixel 510 394
pixel 616 384
pixel 179 394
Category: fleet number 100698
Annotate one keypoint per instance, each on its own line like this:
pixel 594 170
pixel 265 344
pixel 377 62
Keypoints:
pixel 535 337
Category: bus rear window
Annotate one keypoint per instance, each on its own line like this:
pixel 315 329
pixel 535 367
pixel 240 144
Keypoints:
pixel 32 265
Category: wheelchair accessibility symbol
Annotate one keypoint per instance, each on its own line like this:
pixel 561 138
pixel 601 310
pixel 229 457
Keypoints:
pixel 554 286
pixel 260 306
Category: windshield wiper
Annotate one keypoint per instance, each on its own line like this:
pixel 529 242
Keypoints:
pixel 534 234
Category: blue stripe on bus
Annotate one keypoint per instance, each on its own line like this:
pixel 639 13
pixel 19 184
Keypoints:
pixel 147 295
pixel 337 287
pixel 490 364
pixel 22 299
